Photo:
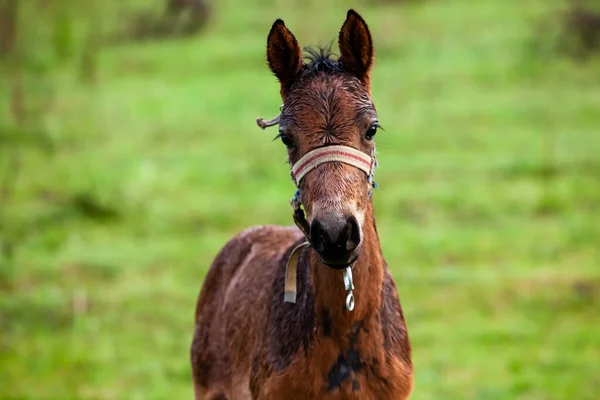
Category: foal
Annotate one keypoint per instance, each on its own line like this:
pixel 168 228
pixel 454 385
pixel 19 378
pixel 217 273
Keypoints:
pixel 340 333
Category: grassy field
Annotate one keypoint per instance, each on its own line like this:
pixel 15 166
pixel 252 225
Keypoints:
pixel 488 206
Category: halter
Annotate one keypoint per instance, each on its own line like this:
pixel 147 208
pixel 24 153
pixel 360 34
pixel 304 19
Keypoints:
pixel 344 154
pixel 311 160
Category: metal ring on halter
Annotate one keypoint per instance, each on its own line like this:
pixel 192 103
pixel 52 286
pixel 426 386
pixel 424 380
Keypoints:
pixel 350 301
pixel 349 285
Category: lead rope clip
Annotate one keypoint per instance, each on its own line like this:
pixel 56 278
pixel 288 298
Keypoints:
pixel 349 285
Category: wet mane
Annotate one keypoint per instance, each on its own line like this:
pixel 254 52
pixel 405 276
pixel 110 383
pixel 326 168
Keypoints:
pixel 320 59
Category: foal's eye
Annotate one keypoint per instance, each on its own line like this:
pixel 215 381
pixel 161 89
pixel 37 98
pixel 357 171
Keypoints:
pixel 286 140
pixel 370 134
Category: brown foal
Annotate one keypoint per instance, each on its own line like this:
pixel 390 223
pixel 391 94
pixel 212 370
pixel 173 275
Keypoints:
pixel 251 344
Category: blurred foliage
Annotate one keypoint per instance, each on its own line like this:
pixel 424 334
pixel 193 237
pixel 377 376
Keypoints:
pixel 177 18
pixel 124 168
pixel 573 31
pixel 581 29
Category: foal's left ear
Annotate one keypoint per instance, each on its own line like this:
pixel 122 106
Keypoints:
pixel 356 46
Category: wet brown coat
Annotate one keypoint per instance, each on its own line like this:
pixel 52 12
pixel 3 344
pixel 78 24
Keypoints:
pixel 248 343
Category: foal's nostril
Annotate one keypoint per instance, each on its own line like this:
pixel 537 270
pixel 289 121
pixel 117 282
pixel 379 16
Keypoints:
pixel 353 233
pixel 317 236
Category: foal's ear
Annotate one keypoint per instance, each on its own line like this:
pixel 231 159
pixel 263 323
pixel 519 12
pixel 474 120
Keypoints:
pixel 356 46
pixel 284 55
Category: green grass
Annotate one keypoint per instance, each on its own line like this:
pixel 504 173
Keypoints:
pixel 488 207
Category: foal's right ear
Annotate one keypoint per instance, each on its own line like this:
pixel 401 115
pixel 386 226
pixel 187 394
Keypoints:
pixel 284 55
pixel 356 46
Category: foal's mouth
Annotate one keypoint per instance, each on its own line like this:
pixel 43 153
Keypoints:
pixel 339 265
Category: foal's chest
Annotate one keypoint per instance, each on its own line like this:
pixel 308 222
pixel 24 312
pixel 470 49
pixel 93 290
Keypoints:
pixel 347 376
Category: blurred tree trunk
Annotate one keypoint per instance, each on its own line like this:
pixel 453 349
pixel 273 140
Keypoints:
pixel 10 165
pixel 8 27
pixel 88 66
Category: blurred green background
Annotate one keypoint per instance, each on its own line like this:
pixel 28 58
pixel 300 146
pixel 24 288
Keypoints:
pixel 129 155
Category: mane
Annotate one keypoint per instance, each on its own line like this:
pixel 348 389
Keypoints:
pixel 320 59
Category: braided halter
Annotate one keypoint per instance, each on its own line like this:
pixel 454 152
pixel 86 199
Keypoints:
pixel 344 154
pixel 311 160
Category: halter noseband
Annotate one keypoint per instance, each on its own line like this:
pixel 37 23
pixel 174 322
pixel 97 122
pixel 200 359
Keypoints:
pixel 344 154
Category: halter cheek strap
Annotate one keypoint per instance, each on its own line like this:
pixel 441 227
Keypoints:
pixel 311 160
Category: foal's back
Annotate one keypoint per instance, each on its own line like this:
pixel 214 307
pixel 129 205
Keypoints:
pixel 231 311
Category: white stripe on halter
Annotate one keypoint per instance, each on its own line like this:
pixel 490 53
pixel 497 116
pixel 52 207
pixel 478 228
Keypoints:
pixel 344 154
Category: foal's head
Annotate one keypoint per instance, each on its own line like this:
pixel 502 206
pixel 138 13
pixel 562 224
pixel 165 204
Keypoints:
pixel 327 102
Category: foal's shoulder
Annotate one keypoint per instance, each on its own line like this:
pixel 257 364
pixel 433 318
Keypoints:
pixel 261 239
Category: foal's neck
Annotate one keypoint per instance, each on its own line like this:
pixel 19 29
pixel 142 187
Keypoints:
pixel 330 294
